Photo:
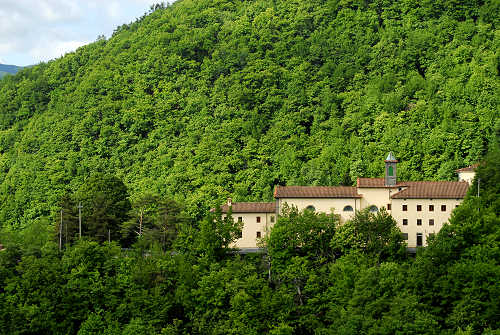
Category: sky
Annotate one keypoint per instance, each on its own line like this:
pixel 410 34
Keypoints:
pixel 34 31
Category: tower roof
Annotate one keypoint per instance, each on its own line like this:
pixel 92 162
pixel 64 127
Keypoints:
pixel 391 158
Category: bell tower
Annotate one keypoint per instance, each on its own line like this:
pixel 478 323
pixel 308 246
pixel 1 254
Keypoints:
pixel 390 170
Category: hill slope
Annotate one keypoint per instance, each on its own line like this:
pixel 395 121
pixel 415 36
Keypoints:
pixel 206 99
pixel 8 69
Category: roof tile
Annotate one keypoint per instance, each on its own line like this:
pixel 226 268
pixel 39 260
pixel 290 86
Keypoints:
pixel 316 192
pixel 376 182
pixel 250 207
pixel 472 167
pixel 433 189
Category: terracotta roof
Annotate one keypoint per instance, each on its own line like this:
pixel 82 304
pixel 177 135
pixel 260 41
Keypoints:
pixel 472 167
pixel 433 189
pixel 376 182
pixel 251 207
pixel 316 192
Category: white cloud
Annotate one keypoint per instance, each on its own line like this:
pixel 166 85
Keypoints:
pixel 44 52
pixel 38 30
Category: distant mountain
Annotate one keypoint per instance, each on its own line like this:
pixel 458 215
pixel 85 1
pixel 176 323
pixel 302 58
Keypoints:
pixel 8 69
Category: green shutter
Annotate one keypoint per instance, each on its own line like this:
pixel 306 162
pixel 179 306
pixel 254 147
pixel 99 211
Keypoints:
pixel 391 172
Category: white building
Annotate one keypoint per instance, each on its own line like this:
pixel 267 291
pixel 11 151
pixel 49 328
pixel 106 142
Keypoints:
pixel 419 207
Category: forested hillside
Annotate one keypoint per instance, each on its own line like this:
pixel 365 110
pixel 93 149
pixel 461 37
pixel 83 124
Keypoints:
pixel 206 99
pixel 316 278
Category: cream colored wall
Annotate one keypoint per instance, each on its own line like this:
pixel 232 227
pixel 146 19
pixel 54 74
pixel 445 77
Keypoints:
pixel 379 197
pixel 324 205
pixel 251 227
pixel 412 215
pixel 467 176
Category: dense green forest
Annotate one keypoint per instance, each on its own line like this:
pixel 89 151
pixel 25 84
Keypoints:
pixel 316 278
pixel 196 101
pixel 202 100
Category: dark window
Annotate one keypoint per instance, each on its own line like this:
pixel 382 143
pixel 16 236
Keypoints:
pixel 240 219
pixel 388 207
pixel 456 206
pixel 258 234
pixel 272 218
pixel 310 208
pixel 419 240
pixel 240 234
pixel 419 222
pixel 405 208
pixel 419 208
pixel 405 236
pixel 431 208
pixel 258 219
pixel 443 208
pixel 348 209
pixel 373 209
pixel 431 222
pixel 405 222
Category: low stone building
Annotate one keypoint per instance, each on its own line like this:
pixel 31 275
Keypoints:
pixel 420 208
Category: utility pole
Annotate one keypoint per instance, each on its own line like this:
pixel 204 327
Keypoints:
pixel 478 181
pixel 60 231
pixel 80 220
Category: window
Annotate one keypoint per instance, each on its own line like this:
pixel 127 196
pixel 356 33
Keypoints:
pixel 272 218
pixel 405 236
pixel 405 222
pixel 240 234
pixel 348 209
pixel 258 219
pixel 419 208
pixel 391 171
pixel 419 240
pixel 456 206
pixel 258 234
pixel 373 209
pixel 431 222
pixel 431 208
pixel 405 208
pixel 240 219
pixel 419 222
pixel 310 208
pixel 388 207
pixel 443 208
pixel 431 236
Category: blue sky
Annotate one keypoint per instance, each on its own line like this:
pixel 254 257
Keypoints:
pixel 34 31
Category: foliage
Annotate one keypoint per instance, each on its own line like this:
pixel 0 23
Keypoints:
pixel 374 234
pixel 201 100
pixel 105 205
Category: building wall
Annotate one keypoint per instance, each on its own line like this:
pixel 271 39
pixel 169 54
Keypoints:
pixel 440 217
pixel 251 227
pixel 371 196
pixel 379 197
pixel 467 176
pixel 324 205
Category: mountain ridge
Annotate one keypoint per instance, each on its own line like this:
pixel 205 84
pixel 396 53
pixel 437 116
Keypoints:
pixel 8 69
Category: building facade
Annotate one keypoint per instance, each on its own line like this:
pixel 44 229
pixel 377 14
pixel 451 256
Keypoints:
pixel 420 208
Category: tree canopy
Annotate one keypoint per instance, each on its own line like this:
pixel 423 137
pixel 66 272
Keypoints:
pixel 201 100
